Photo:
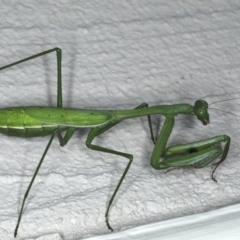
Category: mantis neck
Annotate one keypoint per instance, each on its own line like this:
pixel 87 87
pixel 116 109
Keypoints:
pixel 166 110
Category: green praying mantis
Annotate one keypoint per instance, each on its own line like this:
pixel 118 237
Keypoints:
pixel 34 121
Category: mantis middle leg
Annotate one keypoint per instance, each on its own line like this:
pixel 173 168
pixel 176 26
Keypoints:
pixel 99 130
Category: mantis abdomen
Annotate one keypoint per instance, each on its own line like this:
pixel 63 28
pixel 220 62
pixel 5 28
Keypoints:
pixel 42 121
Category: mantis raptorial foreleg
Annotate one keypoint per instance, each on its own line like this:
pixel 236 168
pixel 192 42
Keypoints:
pixel 198 149
pixel 193 155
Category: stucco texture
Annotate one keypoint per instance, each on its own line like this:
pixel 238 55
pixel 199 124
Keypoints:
pixel 117 55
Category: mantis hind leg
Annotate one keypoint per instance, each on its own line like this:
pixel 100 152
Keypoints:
pixel 30 185
pixel 59 69
pixel 59 104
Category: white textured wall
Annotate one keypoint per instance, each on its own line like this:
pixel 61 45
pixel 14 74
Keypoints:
pixel 117 55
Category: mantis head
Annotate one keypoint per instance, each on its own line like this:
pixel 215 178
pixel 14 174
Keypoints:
pixel 201 111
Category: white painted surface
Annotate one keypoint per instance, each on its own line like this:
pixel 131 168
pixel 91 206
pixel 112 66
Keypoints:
pixel 222 223
pixel 55 236
pixel 117 55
